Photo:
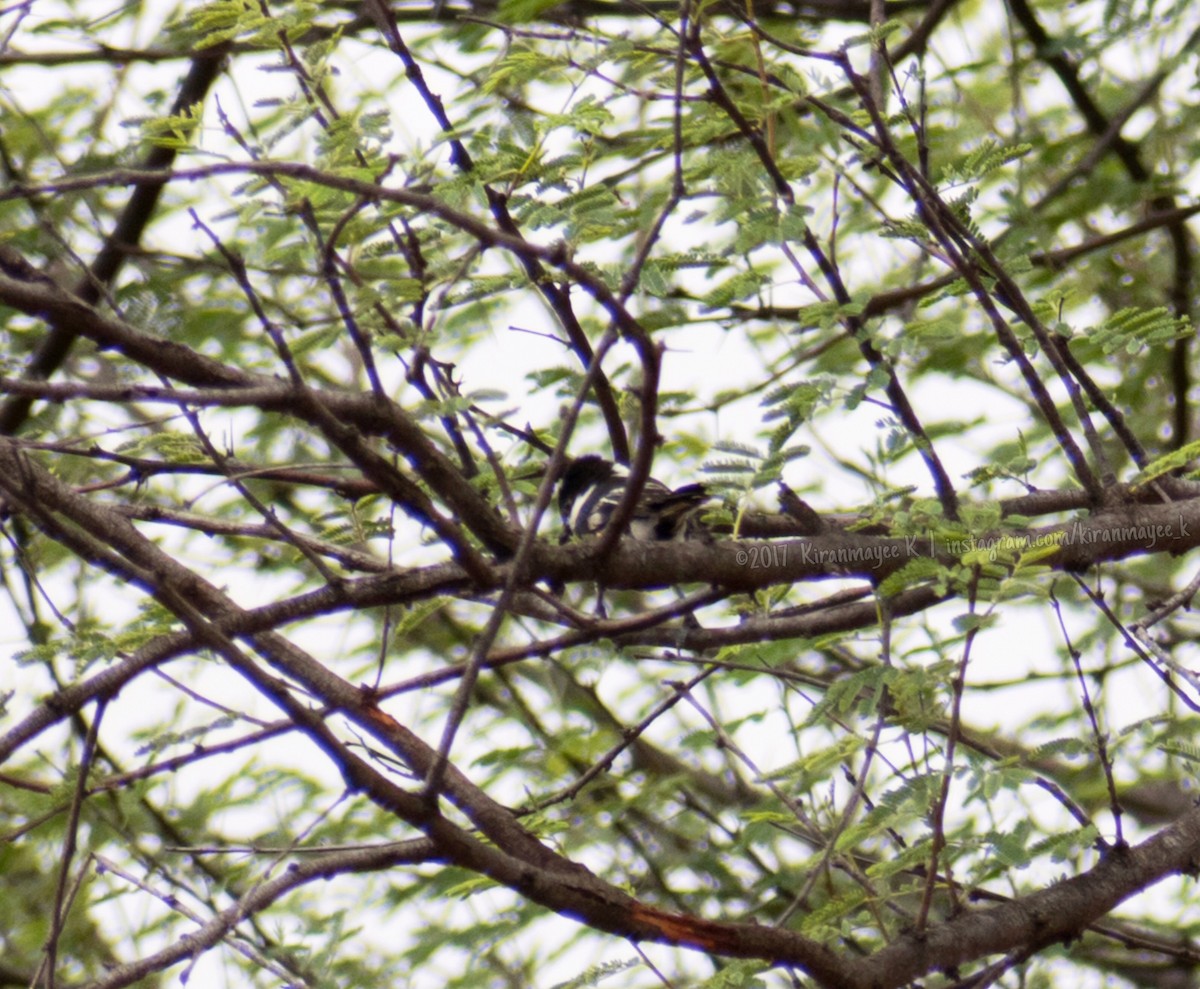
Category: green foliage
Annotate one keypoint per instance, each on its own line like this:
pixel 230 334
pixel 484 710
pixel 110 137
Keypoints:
pixel 983 160
pixel 322 386
pixel 1173 461
pixel 1131 330
pixel 736 975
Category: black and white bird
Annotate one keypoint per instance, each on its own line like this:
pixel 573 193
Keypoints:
pixel 592 487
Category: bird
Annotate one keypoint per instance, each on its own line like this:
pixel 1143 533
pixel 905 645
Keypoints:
pixel 591 488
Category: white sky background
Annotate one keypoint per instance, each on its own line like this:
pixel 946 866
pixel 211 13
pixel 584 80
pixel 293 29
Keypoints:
pixel 502 360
